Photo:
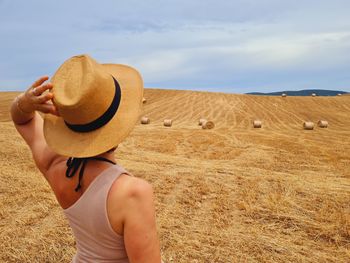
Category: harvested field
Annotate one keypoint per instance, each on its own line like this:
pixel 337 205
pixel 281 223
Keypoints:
pixel 229 194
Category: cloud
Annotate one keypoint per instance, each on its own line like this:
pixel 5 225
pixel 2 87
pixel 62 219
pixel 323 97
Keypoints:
pixel 233 46
pixel 223 55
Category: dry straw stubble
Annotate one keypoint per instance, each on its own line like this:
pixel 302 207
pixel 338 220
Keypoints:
pixel 230 194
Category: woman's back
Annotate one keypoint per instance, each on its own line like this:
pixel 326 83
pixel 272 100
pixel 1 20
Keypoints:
pixel 112 215
pixel 95 237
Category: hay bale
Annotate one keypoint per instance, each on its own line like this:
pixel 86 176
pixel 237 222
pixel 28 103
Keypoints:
pixel 322 124
pixel 168 122
pixel 208 125
pixel 284 95
pixel 339 94
pixel 257 124
pixel 201 121
pixel 313 95
pixel 145 120
pixel 308 125
pixel 144 100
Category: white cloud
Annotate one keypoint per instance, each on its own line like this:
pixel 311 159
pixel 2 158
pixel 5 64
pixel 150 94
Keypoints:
pixel 250 44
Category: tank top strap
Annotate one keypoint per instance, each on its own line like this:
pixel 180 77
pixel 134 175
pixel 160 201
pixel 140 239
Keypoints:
pixel 98 187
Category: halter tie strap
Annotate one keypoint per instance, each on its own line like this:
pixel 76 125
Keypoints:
pixel 73 165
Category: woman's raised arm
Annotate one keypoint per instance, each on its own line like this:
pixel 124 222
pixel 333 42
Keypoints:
pixel 29 123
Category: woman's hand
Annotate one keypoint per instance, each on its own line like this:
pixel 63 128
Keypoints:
pixel 36 99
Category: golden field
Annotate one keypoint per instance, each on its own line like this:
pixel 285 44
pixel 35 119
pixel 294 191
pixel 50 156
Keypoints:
pixel 230 194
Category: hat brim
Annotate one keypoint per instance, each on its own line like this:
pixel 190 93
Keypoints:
pixel 66 142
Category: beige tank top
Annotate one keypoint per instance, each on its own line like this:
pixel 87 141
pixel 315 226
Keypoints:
pixel 96 241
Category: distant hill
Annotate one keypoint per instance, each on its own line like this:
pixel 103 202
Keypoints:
pixel 305 92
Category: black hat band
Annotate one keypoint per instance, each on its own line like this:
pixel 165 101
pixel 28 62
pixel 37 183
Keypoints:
pixel 104 118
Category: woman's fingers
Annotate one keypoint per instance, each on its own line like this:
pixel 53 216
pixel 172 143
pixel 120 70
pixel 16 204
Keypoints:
pixel 54 111
pixel 40 81
pixel 38 100
pixel 47 108
pixel 44 98
pixel 37 91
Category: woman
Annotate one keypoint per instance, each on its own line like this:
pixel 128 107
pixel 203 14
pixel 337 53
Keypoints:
pixel 89 109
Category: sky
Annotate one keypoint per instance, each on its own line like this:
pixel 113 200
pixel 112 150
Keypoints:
pixel 233 46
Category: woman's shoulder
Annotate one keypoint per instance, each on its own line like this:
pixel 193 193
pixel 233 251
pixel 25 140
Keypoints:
pixel 130 187
pixel 128 197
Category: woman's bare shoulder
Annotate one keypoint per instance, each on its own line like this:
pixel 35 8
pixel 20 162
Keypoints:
pixel 131 187
pixel 128 197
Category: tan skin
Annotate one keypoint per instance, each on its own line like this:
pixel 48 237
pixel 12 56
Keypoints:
pixel 130 202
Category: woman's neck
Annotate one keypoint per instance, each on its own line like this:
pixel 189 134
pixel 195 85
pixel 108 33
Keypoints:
pixel 108 155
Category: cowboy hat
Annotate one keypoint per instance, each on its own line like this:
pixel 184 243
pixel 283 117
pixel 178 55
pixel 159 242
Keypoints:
pixel 98 105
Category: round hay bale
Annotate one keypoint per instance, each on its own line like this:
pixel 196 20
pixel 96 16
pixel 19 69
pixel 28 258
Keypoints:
pixel 322 124
pixel 284 95
pixel 208 125
pixel 308 125
pixel 313 95
pixel 339 94
pixel 201 121
pixel 145 120
pixel 257 124
pixel 168 122
pixel 144 100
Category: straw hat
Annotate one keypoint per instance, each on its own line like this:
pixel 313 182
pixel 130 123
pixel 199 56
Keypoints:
pixel 99 105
